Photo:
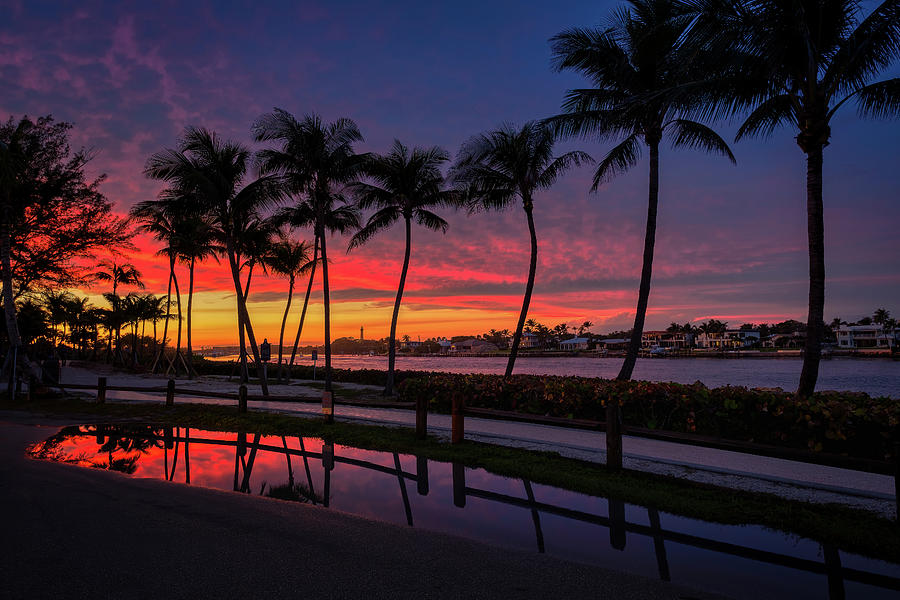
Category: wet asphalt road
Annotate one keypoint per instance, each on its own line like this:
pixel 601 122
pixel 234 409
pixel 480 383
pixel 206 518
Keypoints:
pixel 71 532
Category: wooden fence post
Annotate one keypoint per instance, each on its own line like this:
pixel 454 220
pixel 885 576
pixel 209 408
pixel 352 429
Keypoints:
pixel 457 433
pixel 101 390
pixel 242 399
pixel 170 393
pixel 613 434
pixel 421 418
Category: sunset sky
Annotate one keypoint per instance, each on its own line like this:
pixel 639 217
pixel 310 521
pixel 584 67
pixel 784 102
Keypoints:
pixel 731 240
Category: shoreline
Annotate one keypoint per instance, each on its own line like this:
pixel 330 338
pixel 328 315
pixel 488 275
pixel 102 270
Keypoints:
pixel 593 355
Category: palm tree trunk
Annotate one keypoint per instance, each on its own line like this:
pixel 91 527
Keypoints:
pixel 174 363
pixel 532 268
pixel 644 293
pixel 243 317
pixel 190 349
pixel 312 275
pixel 245 371
pixel 325 300
pixel 162 350
pixel 613 409
pixel 392 344
pixel 287 308
pixel 815 223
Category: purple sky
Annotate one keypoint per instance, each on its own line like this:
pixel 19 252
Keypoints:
pixel 731 241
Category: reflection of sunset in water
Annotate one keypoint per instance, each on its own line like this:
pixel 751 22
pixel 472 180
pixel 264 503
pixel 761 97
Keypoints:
pixel 408 490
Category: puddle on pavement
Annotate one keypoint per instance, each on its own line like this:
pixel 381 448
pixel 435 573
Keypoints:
pixel 739 561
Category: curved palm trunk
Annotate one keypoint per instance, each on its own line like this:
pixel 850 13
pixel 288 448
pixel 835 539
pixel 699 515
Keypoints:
pixel 325 299
pixel 640 315
pixel 532 268
pixel 243 317
pixel 242 331
pixel 287 308
pixel 613 409
pixel 174 363
pixel 312 275
pixel 190 302
pixel 162 350
pixel 816 232
pixel 392 350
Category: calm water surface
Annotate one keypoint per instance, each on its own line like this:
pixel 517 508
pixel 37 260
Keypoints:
pixel 739 561
pixel 877 377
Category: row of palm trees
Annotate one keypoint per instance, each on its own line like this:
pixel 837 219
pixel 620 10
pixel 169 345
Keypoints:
pixel 72 320
pixel 657 71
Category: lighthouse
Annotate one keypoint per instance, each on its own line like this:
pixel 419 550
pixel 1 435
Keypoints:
pixel 361 338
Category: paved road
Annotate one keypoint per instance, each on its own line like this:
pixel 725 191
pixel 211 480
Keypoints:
pixel 72 532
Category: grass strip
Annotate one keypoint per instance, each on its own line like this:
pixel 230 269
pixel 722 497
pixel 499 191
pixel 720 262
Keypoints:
pixel 850 529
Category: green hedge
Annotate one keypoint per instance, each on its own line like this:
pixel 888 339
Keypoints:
pixel 848 423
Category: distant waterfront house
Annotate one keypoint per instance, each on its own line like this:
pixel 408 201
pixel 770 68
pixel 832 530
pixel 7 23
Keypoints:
pixel 865 336
pixel 445 346
pixel 472 345
pixel 649 339
pixel 666 339
pixel 614 344
pixel 577 343
pixel 529 340
pixel 730 339
pixel 410 344
pixel 786 340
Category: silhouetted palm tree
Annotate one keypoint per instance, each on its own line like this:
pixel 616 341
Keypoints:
pixel 117 274
pixel 405 186
pixel 639 67
pixel 288 258
pixel 196 242
pixel 505 164
pixel 797 63
pixel 314 162
pixel 213 172
pixel 162 219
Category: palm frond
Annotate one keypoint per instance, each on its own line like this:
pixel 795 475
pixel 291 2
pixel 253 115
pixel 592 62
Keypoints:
pixel 690 134
pixel 382 219
pixel 880 100
pixel 430 220
pixel 618 160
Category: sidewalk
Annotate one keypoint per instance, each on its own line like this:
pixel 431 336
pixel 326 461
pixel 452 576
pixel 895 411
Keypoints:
pixel 785 478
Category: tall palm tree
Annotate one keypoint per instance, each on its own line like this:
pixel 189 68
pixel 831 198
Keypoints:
pixel 254 246
pixel 314 162
pixel 405 185
pixel 213 173
pixel 288 258
pixel 56 303
pixel 117 274
pixel 162 218
pixel 196 242
pixel 309 284
pixel 639 67
pixel 796 63
pixel 498 167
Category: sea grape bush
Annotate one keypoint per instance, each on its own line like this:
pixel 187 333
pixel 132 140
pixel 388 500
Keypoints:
pixel 845 423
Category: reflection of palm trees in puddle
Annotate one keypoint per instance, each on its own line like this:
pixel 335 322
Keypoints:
pixel 137 442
